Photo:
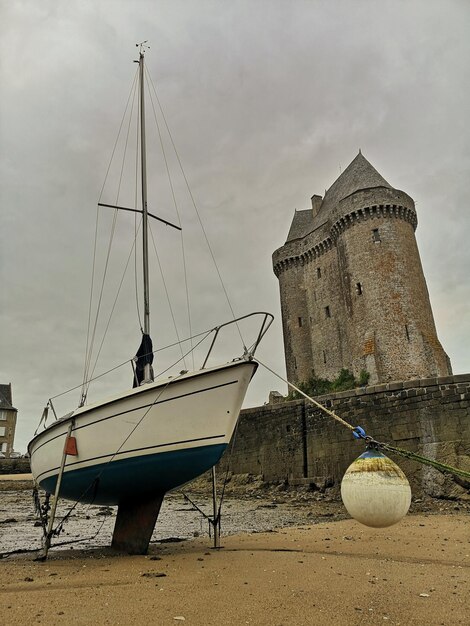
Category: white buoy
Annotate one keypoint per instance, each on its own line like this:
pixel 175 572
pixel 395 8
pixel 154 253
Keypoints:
pixel 375 491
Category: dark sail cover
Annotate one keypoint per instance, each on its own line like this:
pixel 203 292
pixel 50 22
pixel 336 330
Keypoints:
pixel 143 357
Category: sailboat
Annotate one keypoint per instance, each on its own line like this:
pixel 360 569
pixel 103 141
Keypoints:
pixel 129 450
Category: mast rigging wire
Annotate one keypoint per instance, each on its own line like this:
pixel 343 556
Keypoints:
pixel 114 303
pixel 109 253
pixel 170 182
pixel 90 342
pixel 168 297
pixel 196 210
pixel 96 233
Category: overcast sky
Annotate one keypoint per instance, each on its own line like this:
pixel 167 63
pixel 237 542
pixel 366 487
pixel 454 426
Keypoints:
pixel 267 101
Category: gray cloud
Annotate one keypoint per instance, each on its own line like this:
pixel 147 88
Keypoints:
pixel 267 101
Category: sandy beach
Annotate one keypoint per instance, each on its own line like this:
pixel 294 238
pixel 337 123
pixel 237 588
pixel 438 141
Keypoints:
pixel 336 572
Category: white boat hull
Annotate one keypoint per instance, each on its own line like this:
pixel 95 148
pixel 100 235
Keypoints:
pixel 146 442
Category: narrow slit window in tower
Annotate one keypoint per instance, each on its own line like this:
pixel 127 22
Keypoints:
pixel 318 272
pixel 407 332
pixel 376 235
pixel 327 311
pixel 324 356
pixel 300 322
pixel 359 289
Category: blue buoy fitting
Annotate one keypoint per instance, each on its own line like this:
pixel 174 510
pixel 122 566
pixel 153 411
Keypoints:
pixel 359 433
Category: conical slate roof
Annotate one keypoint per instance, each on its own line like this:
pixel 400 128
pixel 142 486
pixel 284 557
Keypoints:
pixel 302 224
pixel 359 174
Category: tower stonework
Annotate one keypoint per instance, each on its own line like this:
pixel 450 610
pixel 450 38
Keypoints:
pixel 353 292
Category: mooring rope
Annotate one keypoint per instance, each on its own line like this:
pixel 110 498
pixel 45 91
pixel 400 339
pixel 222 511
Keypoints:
pixel 442 467
pixel 359 433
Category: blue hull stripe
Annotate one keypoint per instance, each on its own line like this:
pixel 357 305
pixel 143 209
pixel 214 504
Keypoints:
pixel 111 456
pixel 141 476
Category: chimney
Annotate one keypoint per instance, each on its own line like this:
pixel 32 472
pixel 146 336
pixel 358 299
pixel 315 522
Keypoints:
pixel 316 203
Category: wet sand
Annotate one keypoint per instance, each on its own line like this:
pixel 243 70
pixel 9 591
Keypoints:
pixel 288 558
pixel 417 572
pixel 93 524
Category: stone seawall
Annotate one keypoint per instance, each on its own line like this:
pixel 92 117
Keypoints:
pixel 299 444
pixel 14 466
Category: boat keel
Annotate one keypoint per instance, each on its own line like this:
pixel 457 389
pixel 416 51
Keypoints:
pixel 135 521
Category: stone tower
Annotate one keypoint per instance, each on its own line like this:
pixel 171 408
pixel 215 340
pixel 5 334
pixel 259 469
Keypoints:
pixel 353 292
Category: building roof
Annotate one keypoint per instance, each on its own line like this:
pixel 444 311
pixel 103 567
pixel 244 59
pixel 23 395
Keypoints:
pixel 302 224
pixel 359 174
pixel 5 397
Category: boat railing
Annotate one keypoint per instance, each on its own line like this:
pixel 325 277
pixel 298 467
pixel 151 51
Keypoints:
pixel 248 352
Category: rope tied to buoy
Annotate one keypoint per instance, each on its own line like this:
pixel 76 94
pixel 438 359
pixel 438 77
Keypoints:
pixel 359 433
pixel 413 456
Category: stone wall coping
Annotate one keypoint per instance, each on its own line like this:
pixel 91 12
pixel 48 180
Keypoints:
pixel 271 407
pixel 396 385
pixel 461 378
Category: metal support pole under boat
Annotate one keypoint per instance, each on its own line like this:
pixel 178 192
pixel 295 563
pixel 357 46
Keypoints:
pixel 48 536
pixel 143 157
pixel 216 517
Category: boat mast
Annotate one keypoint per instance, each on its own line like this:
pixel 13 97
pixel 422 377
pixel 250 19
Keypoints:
pixel 143 157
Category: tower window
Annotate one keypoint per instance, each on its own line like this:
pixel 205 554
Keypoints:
pixel 324 356
pixel 300 322
pixel 318 272
pixel 407 332
pixel 327 311
pixel 359 289
pixel 376 235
